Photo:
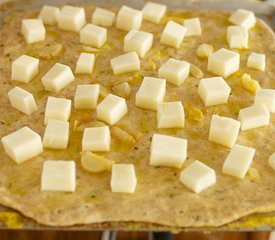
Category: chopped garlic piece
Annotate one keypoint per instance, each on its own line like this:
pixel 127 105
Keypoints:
pixel 195 71
pixel 243 18
pixel 103 17
pixel 254 174
pixel 153 12
pixel 122 135
pixel 79 125
pixel 45 50
pixel 128 18
pixel 271 160
pixel 193 26
pixel 256 61
pixel 33 30
pixel 49 14
pixel 193 112
pixel 122 90
pixel 266 97
pixel 250 84
pixel 205 50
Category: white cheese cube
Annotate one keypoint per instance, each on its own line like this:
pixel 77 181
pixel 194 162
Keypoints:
pixel 151 93
pixel 254 117
pixel 85 63
pixel 93 35
pixel 198 176
pixel 111 109
pixel 238 161
pixel 58 176
pixel 86 96
pixel 271 160
pixel 128 19
pixel 193 26
pixel 33 30
pixel 173 34
pixel 57 108
pixel 168 151
pixel 174 71
pixel 49 14
pixel 224 130
pixel 71 18
pixel 170 115
pixel 237 37
pixel 213 91
pixel 96 139
pixel 223 62
pixel 103 17
pixel 58 77
pixel 138 41
pixel 22 145
pixel 153 12
pixel 243 18
pixel 128 62
pixel 22 100
pixel 123 178
pixel 266 97
pixel 56 134
pixel 24 68
pixel 256 61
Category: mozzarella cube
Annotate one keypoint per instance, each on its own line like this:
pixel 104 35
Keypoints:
pixel 22 145
pixel 49 14
pixel 138 41
pixel 96 139
pixel 256 61
pixel 151 93
pixel 123 178
pixel 198 176
pixel 103 17
pixel 243 18
pixel 24 68
pixel 58 77
pixel 174 71
pixel 173 34
pixel 85 63
pixel 56 134
pixel 238 161
pixel 153 12
pixel 271 160
pixel 193 26
pixel 93 35
pixel 128 62
pixel 22 100
pixel 57 108
pixel 58 176
pixel 223 63
pixel 170 115
pixel 213 91
pixel 33 30
pixel 111 109
pixel 254 117
pixel 224 130
pixel 71 18
pixel 266 97
pixel 168 151
pixel 86 96
pixel 237 37
pixel 128 19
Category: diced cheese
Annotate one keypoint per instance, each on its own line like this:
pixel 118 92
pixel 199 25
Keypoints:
pixel 128 18
pixel 266 97
pixel 256 61
pixel 86 96
pixel 22 100
pixel 58 175
pixel 153 12
pixel 168 151
pixel 33 30
pixel 250 84
pixel 213 91
pixel 71 18
pixel 238 161
pixel 198 176
pixel 85 63
pixel 151 93
pixel 243 18
pixel 224 130
pixel 173 34
pixel 193 26
pixel 271 160
pixel 128 62
pixel 96 139
pixel 49 14
pixel 174 71
pixel 103 17
pixel 170 115
pixel 204 50
pixel 58 77
pixel 138 41
pixel 56 134
pixel 123 178
pixel 22 145
pixel 24 68
pixel 254 117
pixel 223 63
pixel 57 108
pixel 237 37
pixel 111 109
pixel 93 35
